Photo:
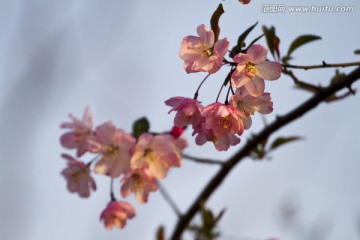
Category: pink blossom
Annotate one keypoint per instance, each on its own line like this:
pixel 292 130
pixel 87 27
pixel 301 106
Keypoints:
pixel 249 104
pixel 158 153
pixel 116 213
pixel 188 111
pixel 223 119
pixel 78 177
pixel 202 54
pixel 77 138
pixel 221 143
pixel 140 182
pixel 253 68
pixel 115 146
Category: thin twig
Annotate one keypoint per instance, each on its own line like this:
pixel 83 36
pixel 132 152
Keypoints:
pixel 169 200
pixel 314 89
pixel 302 85
pixel 280 122
pixel 201 160
pixel 323 65
pixel 198 89
pixel 112 196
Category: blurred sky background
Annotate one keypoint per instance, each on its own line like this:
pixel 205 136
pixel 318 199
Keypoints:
pixel 120 58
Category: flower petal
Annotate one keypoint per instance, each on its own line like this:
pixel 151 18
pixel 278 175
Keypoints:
pixel 269 70
pixel 255 87
pixel 258 53
pixel 206 35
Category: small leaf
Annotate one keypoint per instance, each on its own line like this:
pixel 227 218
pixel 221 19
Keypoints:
pixel 276 47
pixel 160 234
pixel 241 41
pixel 214 21
pixel 283 140
pixel 208 218
pixel 338 77
pixel 219 216
pixel 140 126
pixel 270 36
pixel 357 51
pixel 301 40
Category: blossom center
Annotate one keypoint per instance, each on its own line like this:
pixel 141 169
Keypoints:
pixel 224 122
pixel 112 150
pixel 251 70
pixel 76 175
pixel 137 182
pixel 149 155
pixel 242 107
pixel 204 50
pixel 80 134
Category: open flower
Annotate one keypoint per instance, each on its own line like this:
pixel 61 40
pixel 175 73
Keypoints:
pixel 249 104
pixel 78 177
pixel 115 146
pixel 116 213
pixel 253 69
pixel 157 153
pixel 188 111
pixel 140 182
pixel 223 143
pixel 77 138
pixel 223 119
pixel 202 54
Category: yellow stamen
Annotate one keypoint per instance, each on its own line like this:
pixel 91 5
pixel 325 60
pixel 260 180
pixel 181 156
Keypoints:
pixel 112 150
pixel 149 155
pixel 204 50
pixel 224 122
pixel 137 182
pixel 251 69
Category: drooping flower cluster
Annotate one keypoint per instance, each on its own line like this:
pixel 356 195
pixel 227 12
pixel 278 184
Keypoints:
pixel 140 162
pixel 223 123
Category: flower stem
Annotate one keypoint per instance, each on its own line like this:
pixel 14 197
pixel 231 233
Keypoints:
pixel 169 200
pixel 198 89
pixel 112 196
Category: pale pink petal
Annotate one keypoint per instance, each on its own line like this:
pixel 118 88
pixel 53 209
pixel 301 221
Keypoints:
pixel 221 47
pixel 255 86
pixel 269 70
pixel 258 53
pixel 222 144
pixel 242 59
pixel 181 120
pixel 247 123
pixel 207 35
pixel 239 80
pixel 68 140
pixel 174 102
pixel 188 49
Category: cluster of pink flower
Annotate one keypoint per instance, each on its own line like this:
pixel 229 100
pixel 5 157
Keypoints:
pixel 141 162
pixel 220 123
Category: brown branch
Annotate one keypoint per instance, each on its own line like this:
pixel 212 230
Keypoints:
pixel 323 65
pixel 280 122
